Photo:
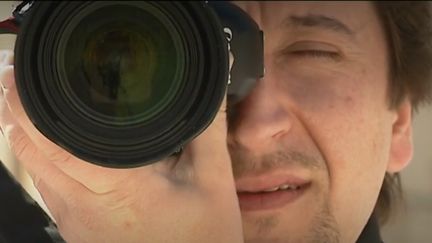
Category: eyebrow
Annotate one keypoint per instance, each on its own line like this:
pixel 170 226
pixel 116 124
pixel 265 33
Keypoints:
pixel 319 21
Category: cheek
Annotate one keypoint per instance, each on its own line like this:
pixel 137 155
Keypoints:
pixel 316 90
pixel 347 118
pixel 356 162
pixel 354 140
pixel 351 128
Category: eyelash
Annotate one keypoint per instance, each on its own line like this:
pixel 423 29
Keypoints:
pixel 317 54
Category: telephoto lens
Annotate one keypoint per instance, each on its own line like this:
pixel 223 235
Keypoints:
pixel 121 83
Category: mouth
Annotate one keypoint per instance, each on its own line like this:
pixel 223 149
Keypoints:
pixel 269 192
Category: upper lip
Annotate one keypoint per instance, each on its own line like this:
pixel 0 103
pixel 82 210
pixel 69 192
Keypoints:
pixel 263 182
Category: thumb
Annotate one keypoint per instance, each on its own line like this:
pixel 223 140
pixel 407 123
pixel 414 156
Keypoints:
pixel 209 152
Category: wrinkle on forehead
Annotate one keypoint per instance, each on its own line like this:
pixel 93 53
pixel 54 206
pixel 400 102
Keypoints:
pixel 266 13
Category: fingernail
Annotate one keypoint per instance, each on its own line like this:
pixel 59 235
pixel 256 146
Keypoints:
pixel 3 55
pixel 5 80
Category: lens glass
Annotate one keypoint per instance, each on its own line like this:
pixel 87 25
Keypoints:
pixel 123 63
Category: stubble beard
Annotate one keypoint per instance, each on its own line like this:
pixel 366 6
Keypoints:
pixel 322 228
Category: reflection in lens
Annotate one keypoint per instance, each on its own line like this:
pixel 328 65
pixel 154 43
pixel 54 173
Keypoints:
pixel 123 69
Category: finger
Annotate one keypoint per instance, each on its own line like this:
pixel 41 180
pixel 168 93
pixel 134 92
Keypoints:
pixel 60 193
pixel 6 57
pixel 209 150
pixel 15 106
pixel 71 217
pixel 35 162
pixel 96 178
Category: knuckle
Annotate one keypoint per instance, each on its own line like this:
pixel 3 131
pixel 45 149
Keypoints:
pixel 18 142
pixel 59 155
pixel 115 200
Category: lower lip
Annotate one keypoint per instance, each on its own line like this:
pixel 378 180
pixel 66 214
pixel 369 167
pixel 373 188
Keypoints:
pixel 269 200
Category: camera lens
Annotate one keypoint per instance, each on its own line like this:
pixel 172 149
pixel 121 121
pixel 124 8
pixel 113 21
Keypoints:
pixel 125 68
pixel 121 83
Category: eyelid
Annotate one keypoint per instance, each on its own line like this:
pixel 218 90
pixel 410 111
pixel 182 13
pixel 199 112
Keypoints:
pixel 312 45
pixel 317 54
pixel 313 49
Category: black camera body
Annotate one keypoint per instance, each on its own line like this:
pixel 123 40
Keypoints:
pixel 128 83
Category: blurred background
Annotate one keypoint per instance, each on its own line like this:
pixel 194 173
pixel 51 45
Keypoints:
pixel 413 224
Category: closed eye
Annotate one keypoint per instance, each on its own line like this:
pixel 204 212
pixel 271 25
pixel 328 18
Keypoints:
pixel 317 54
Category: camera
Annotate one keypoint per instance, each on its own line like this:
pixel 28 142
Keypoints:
pixel 127 83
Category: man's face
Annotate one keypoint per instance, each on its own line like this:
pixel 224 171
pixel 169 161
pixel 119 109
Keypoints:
pixel 318 122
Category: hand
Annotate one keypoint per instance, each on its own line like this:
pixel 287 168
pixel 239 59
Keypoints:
pixel 189 198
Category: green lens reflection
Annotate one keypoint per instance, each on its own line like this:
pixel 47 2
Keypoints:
pixel 123 69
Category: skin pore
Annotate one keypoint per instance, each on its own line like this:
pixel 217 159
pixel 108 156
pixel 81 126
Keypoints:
pixel 321 114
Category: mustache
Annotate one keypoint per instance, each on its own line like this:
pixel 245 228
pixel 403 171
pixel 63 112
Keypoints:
pixel 244 162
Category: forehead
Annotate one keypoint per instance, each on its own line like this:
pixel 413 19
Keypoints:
pixel 331 15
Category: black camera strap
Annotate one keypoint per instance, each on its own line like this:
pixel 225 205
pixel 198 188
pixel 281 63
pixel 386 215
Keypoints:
pixel 22 220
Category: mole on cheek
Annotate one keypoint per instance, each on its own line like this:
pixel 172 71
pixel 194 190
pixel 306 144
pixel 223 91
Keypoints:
pixel 349 100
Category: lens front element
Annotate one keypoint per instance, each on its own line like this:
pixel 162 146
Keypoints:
pixel 126 68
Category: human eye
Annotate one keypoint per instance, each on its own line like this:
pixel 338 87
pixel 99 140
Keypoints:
pixel 314 50
pixel 316 54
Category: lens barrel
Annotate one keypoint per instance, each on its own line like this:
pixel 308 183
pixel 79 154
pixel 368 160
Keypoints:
pixel 121 83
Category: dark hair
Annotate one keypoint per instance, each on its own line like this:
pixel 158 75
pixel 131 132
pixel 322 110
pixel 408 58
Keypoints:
pixel 408 27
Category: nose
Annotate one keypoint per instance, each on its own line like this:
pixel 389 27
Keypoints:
pixel 261 119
